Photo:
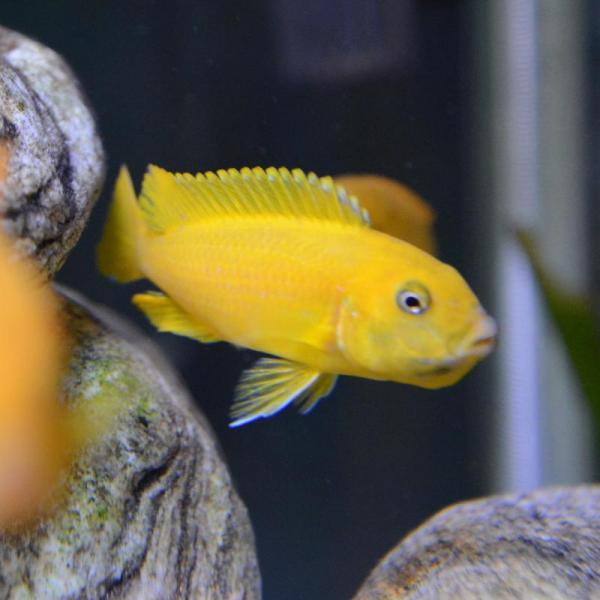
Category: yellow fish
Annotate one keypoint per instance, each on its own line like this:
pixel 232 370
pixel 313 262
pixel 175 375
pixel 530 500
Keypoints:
pixel 393 208
pixel 33 444
pixel 286 264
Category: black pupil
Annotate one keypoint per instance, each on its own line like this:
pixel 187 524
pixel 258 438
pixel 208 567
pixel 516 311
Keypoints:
pixel 412 302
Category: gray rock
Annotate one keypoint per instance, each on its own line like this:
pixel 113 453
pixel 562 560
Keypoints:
pixel 51 158
pixel 150 510
pixel 541 545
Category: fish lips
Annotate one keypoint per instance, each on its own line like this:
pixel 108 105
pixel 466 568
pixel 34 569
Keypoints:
pixel 483 340
pixel 477 346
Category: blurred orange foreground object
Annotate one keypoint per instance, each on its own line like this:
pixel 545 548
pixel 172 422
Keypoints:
pixel 32 352
pixel 393 208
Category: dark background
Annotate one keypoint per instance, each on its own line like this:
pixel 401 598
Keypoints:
pixel 331 86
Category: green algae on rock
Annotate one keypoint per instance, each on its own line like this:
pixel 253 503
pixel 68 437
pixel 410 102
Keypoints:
pixel 545 544
pixel 150 509
pixel 51 157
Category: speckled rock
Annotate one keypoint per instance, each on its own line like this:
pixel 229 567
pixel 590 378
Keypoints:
pixel 150 510
pixel 541 545
pixel 51 158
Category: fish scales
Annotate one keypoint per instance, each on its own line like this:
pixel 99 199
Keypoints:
pixel 271 275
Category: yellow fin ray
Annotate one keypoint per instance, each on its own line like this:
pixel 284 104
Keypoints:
pixel 272 383
pixel 320 389
pixel 171 200
pixel 166 315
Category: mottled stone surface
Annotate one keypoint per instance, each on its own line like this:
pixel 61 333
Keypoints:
pixel 151 511
pixel 541 545
pixel 51 158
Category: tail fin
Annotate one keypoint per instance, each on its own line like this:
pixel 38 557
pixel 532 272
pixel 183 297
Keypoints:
pixel 116 254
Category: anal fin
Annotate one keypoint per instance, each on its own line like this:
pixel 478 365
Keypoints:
pixel 166 315
pixel 273 383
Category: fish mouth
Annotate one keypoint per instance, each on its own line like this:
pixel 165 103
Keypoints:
pixel 477 346
pixel 482 347
pixel 484 339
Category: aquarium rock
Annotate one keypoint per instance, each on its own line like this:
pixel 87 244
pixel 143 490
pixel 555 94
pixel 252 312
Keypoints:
pixel 540 545
pixel 150 510
pixel 51 158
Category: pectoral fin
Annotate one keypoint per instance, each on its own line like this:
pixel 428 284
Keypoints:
pixel 165 315
pixel 318 390
pixel 272 384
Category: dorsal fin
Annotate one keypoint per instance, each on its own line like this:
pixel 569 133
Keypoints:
pixel 170 200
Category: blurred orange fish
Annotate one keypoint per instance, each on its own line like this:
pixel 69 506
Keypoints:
pixel 32 352
pixel 393 208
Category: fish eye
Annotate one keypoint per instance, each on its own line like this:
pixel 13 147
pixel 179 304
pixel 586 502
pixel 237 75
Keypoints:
pixel 413 298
